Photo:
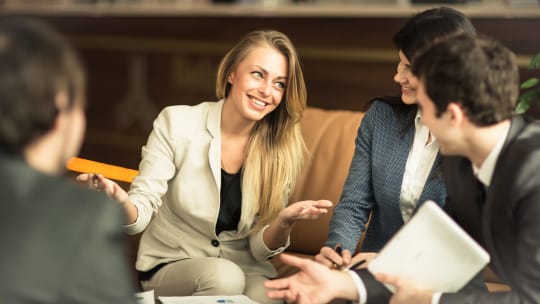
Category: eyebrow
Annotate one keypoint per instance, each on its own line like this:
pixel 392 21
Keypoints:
pixel 266 72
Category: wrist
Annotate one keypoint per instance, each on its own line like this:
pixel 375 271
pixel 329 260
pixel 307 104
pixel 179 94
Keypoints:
pixel 285 223
pixel 347 288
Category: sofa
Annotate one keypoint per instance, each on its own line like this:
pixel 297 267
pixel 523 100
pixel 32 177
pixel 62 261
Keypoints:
pixel 329 136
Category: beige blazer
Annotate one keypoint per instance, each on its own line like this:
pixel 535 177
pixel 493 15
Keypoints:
pixel 177 194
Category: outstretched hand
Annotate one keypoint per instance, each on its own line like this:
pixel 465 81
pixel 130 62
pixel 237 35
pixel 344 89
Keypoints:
pixel 314 283
pixel 303 210
pixel 99 183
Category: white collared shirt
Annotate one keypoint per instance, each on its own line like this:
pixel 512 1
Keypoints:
pixel 419 163
pixel 485 172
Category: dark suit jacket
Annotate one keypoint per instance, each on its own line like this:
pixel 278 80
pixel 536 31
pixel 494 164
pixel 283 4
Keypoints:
pixel 60 243
pixel 507 224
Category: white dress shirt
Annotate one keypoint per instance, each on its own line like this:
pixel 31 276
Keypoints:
pixel 417 169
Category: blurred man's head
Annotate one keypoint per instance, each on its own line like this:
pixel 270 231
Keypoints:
pixel 42 88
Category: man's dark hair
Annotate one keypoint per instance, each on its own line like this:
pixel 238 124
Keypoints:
pixel 429 26
pixel 479 74
pixel 36 63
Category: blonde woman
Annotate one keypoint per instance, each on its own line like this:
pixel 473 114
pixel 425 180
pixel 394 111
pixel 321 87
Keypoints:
pixel 214 178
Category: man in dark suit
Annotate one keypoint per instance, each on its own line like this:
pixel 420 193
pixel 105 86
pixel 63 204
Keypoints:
pixel 467 91
pixel 60 243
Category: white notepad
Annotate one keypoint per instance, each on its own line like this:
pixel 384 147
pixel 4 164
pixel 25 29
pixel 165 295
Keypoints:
pixel 432 250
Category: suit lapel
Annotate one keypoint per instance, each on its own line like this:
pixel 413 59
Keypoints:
pixel 213 125
pixel 403 144
pixel 492 204
pixel 434 183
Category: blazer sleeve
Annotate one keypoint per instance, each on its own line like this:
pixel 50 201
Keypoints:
pixel 160 157
pixel 351 214
pixel 259 250
pixel 377 293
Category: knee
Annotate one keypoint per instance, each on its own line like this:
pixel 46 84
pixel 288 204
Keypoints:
pixel 221 277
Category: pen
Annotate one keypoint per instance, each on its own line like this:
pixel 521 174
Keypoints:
pixel 338 249
pixel 353 266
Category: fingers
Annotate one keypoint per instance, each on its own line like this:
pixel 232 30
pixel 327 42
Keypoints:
pixel 322 203
pixel 293 260
pixel 277 283
pixel 329 257
pixel 288 295
pixel 82 177
pixel 98 182
pixel 346 256
pixel 311 212
pixel 312 209
pixel 94 181
pixel 322 259
pixel 280 289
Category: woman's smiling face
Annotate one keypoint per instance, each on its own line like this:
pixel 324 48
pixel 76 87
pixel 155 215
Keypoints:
pixel 403 78
pixel 258 83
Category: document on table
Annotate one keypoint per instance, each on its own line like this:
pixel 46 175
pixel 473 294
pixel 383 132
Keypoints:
pixel 432 250
pixel 240 299
pixel 145 297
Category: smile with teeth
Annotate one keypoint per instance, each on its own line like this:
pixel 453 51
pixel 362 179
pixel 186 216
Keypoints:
pixel 258 102
pixel 406 90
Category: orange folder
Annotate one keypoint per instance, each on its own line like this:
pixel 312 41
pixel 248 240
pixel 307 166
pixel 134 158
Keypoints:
pixel 118 173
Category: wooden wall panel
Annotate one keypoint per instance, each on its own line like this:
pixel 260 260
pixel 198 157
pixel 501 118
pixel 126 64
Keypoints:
pixel 139 64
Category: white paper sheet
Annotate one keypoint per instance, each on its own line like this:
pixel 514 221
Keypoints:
pixel 241 299
pixel 145 297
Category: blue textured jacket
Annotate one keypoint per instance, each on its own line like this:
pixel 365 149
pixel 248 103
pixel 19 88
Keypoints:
pixel 375 179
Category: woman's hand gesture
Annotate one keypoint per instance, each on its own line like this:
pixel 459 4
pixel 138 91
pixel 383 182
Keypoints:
pixel 99 183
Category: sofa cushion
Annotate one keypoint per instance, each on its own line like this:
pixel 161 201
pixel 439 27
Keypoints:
pixel 329 137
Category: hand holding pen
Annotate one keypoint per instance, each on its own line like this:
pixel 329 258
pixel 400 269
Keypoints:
pixel 339 258
pixel 346 266
pixel 339 250
pixel 334 258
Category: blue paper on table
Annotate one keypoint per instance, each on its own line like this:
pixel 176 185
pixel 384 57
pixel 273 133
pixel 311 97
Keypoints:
pixel 432 250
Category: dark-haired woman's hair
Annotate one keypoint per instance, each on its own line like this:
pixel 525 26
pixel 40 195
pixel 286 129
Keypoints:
pixel 420 31
pixel 429 27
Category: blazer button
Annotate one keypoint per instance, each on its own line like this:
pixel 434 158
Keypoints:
pixel 215 243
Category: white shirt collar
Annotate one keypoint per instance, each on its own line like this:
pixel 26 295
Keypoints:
pixel 485 172
pixel 419 125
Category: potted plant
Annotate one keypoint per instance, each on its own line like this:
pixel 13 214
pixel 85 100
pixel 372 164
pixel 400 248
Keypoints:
pixel 530 87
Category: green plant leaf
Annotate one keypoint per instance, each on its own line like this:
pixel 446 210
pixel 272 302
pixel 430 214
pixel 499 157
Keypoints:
pixel 529 83
pixel 523 106
pixel 535 62
pixel 524 101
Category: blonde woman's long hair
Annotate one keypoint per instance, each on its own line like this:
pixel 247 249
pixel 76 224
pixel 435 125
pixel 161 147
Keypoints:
pixel 276 150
